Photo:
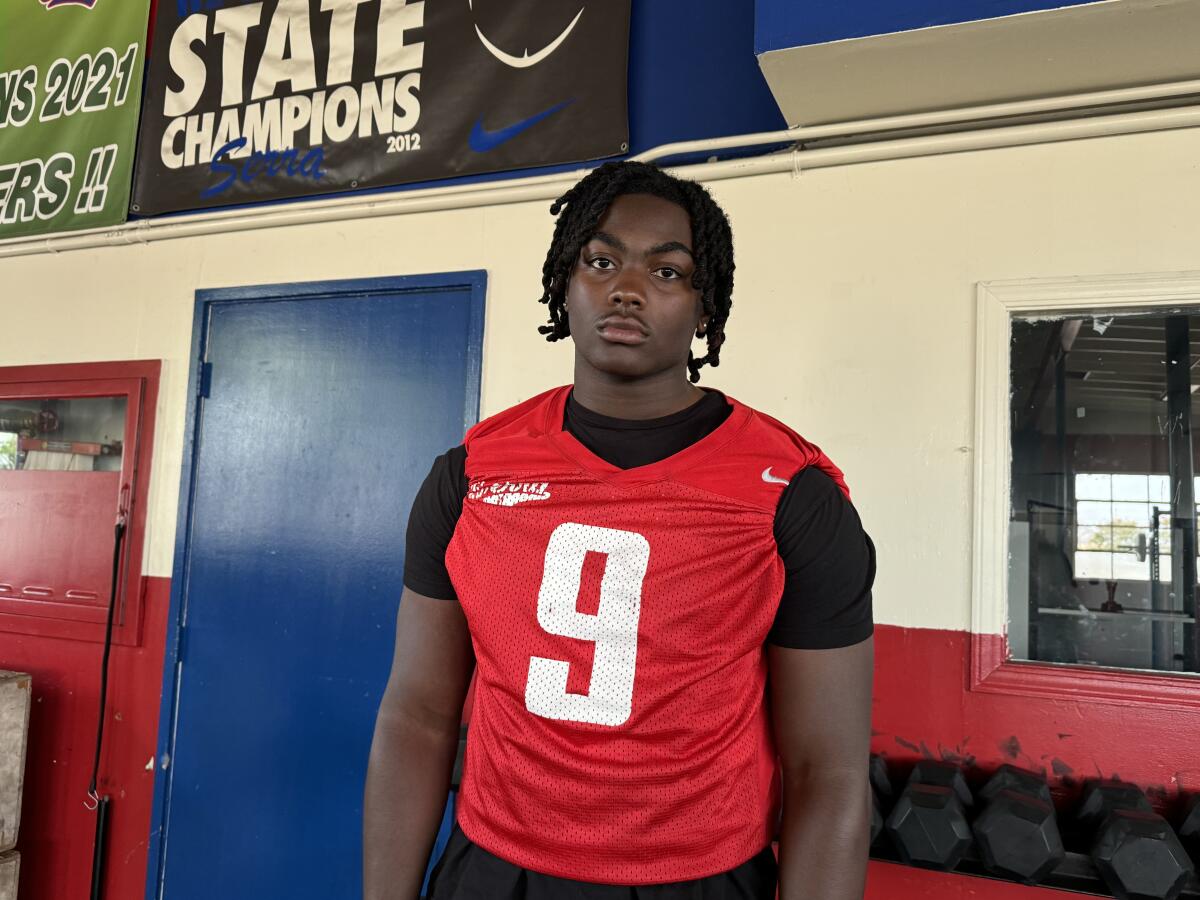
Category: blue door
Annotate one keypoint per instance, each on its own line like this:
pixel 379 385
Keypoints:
pixel 316 414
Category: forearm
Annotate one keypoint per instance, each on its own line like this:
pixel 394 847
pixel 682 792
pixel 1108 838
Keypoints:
pixel 824 838
pixel 408 777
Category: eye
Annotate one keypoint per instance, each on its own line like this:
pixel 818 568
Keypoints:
pixel 668 273
pixel 600 262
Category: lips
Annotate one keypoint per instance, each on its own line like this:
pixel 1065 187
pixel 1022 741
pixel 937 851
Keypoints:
pixel 622 330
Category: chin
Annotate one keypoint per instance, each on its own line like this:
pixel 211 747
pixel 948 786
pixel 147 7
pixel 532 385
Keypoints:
pixel 626 362
pixel 618 362
pixel 623 369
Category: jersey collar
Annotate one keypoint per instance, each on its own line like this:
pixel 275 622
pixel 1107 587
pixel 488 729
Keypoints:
pixel 685 459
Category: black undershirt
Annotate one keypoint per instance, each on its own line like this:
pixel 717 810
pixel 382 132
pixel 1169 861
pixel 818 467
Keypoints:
pixel 829 561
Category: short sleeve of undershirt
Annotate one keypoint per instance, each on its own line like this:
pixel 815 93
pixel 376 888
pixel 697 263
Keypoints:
pixel 829 566
pixel 431 524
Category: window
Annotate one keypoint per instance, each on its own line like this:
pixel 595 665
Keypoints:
pixel 76 434
pixel 1124 526
pixel 1102 494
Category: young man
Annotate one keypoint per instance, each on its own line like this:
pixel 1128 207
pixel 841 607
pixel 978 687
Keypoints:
pixel 624 564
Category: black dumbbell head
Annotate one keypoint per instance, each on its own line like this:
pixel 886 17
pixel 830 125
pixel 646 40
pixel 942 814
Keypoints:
pixel 928 827
pixel 943 774
pixel 880 782
pixel 1018 837
pixel 459 759
pixel 1190 829
pixel 876 820
pixel 1140 858
pixel 1010 778
pixel 1101 798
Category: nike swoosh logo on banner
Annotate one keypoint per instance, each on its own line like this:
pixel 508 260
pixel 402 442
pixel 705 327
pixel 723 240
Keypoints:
pixel 771 479
pixel 524 62
pixel 482 140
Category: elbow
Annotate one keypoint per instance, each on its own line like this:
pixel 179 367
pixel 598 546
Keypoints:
pixel 820 776
pixel 402 712
pixel 839 798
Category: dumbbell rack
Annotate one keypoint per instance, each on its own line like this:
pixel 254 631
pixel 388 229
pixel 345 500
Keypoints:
pixel 1075 872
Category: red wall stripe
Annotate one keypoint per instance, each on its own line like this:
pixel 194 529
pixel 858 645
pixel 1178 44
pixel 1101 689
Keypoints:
pixel 891 881
pixel 923 707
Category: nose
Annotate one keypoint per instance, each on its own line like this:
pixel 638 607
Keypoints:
pixel 627 291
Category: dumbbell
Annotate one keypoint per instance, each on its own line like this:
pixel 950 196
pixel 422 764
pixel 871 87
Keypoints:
pixel 928 824
pixel 1189 831
pixel 460 759
pixel 881 795
pixel 1017 832
pixel 1135 851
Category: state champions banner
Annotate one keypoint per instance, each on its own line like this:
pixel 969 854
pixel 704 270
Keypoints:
pixel 70 89
pixel 251 101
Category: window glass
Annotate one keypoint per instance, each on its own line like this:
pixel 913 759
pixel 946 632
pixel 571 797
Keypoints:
pixel 78 434
pixel 1103 547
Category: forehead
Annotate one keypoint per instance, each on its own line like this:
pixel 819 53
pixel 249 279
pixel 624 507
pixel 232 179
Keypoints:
pixel 646 219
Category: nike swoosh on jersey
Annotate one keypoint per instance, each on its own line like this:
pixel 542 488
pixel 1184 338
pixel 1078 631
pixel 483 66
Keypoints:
pixel 772 479
pixel 482 140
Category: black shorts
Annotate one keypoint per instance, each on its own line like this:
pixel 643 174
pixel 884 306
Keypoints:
pixel 468 872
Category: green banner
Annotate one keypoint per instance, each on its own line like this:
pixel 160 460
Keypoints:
pixel 70 91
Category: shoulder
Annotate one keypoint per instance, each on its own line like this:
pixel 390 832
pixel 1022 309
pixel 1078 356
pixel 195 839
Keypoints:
pixel 812 502
pixel 813 486
pixel 448 469
pixel 752 457
pixel 788 453
pixel 527 417
pixel 441 493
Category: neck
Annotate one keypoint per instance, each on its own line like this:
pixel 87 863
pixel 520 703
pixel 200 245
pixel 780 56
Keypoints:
pixel 650 397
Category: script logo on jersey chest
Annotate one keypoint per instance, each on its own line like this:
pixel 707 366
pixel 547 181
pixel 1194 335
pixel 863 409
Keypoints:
pixel 509 493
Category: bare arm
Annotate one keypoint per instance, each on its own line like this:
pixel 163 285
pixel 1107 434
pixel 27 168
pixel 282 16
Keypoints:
pixel 416 737
pixel 821 711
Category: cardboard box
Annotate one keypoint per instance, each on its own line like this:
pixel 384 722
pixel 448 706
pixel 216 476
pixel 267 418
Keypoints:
pixel 15 694
pixel 10 868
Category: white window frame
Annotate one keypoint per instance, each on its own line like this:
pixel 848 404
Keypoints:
pixel 997 304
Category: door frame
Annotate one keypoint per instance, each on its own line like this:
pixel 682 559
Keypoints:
pixel 474 281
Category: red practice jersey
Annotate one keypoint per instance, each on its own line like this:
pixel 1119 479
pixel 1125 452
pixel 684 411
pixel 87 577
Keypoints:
pixel 620 730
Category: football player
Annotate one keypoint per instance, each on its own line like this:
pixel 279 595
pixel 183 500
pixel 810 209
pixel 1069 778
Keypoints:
pixel 663 595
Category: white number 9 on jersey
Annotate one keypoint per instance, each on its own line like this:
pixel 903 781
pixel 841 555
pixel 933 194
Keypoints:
pixel 614 627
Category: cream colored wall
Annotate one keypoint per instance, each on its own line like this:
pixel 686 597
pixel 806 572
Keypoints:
pixel 853 318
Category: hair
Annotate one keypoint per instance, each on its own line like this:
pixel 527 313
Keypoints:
pixel 579 211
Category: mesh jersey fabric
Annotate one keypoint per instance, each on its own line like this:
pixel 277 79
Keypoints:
pixel 829 560
pixel 619 732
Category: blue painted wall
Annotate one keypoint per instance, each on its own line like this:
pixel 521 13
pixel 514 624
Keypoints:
pixel 693 73
pixel 780 24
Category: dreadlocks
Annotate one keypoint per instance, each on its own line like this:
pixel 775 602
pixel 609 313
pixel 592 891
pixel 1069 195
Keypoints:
pixel 586 203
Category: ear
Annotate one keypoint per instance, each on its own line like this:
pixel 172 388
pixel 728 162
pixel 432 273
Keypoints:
pixel 702 328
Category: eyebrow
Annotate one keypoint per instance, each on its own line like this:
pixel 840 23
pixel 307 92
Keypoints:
pixel 616 243
pixel 669 246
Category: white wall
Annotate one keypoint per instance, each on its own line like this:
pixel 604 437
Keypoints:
pixel 853 314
